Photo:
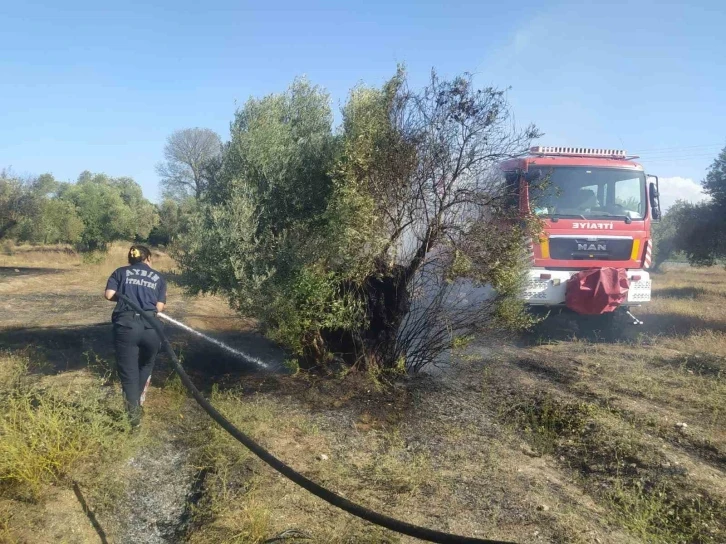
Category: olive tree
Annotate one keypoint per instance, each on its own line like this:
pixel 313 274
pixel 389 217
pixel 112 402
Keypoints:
pixel 705 243
pixel 29 212
pixel 379 244
pixel 173 221
pixel 55 221
pixel 110 209
pixel 669 234
pixel 13 202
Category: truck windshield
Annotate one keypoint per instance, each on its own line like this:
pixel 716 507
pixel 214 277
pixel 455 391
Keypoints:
pixel 587 192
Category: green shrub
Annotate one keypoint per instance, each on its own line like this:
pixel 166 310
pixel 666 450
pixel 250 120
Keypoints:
pixel 327 238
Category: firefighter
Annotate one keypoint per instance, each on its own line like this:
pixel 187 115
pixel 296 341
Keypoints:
pixel 136 343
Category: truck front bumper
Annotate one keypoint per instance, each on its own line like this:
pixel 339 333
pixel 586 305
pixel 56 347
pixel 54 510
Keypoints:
pixel 543 291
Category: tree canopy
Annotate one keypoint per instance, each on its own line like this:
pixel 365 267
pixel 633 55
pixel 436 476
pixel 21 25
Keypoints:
pixel 715 183
pixel 357 244
pixel 173 221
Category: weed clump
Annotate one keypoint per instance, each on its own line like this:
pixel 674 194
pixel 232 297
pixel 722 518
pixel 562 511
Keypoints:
pixel 657 514
pixel 46 432
pixel 547 421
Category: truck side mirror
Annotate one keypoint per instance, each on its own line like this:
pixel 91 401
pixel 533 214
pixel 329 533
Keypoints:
pixel 654 201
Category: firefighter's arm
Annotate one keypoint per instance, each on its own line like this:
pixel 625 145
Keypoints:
pixel 161 301
pixel 112 285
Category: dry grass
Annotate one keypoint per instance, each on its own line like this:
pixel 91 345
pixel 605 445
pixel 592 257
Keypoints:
pixel 55 431
pixel 565 441
pixel 245 501
pixel 64 430
pixel 60 255
pixel 60 286
pixel 64 257
pixel 640 422
pixel 56 428
pixel 687 301
pixel 48 431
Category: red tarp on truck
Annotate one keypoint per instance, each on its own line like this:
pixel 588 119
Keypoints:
pixel 597 291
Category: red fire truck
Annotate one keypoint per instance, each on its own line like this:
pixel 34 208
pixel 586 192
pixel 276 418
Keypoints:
pixel 596 206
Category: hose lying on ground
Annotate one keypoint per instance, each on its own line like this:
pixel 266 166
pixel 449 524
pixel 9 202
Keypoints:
pixel 319 491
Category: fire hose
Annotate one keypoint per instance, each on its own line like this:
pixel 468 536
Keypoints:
pixel 316 489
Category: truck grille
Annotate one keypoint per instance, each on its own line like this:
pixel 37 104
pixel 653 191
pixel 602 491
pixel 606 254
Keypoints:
pixel 590 249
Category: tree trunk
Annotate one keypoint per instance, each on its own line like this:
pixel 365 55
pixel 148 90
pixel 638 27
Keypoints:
pixel 6 228
pixel 386 304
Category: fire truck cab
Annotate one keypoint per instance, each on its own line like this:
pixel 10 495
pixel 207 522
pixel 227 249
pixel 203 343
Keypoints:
pixel 596 206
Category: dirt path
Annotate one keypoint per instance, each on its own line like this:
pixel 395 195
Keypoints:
pixel 161 478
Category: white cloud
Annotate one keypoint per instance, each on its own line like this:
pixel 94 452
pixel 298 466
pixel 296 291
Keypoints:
pixel 678 188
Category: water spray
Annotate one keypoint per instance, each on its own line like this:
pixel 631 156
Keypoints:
pixel 216 342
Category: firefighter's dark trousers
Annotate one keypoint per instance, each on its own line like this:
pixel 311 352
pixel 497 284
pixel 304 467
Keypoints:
pixel 136 345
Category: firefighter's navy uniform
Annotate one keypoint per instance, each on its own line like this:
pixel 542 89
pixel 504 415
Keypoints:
pixel 135 342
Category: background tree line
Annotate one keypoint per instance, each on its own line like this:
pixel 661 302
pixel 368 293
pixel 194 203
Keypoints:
pixel 89 214
pixel 696 231
pixel 98 209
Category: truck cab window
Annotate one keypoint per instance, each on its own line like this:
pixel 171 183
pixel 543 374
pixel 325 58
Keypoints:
pixel 627 197
pixel 590 193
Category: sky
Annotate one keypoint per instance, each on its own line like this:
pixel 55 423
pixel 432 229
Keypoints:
pixel 99 86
